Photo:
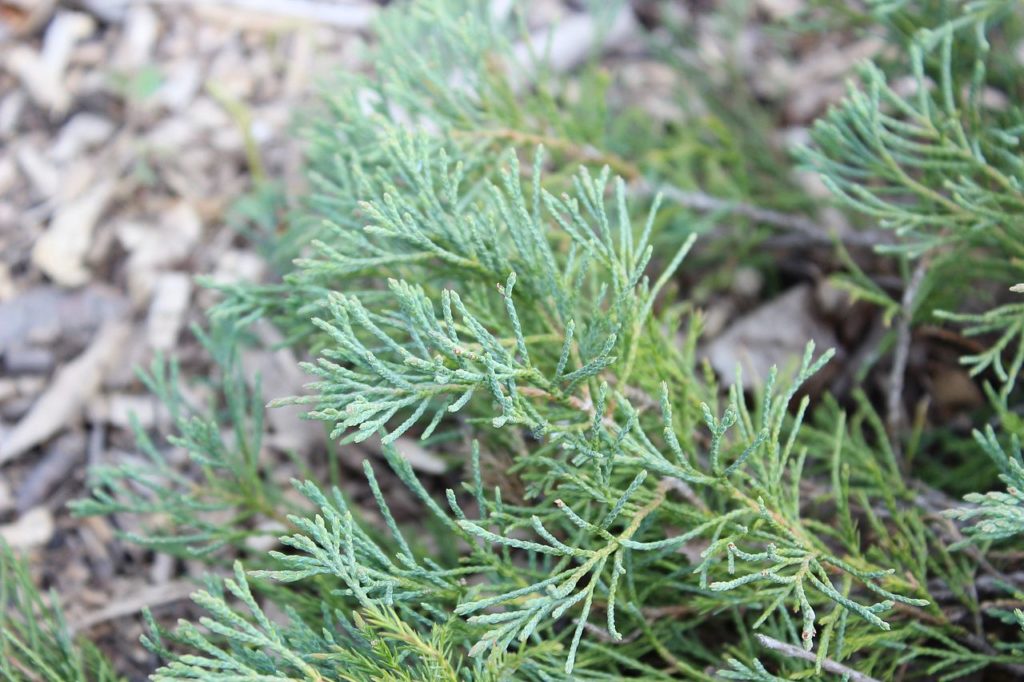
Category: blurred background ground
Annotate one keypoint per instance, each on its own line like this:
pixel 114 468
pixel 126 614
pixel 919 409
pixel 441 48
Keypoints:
pixel 128 131
pixel 130 135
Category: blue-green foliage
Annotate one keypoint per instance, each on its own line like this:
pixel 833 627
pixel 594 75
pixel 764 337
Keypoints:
pixel 934 160
pixel 997 515
pixel 194 518
pixel 470 271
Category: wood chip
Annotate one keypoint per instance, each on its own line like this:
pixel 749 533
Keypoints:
pixel 82 132
pixel 40 172
pixel 8 390
pixel 300 64
pixel 7 289
pixel 570 42
pixel 34 528
pixel 181 85
pixel 43 315
pixel 61 251
pixel 156 247
pixel 141 29
pixel 44 87
pixel 420 458
pixel 42 73
pixel 167 311
pixel 8 174
pixel 120 409
pixel 72 386
pixel 779 10
pixel 6 498
pixel 28 360
pixel 51 470
pixel 239 265
pixel 259 14
pixel 11 108
pixel 775 333
pixel 280 376
pixel 111 11
pixel 65 31
pixel 21 17
pixel 131 604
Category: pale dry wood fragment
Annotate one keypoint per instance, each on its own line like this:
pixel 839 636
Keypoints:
pixel 418 457
pixel 570 43
pixel 34 528
pixel 42 73
pixel 171 296
pixel 44 87
pixel 49 472
pixel 22 17
pixel 83 131
pixel 62 35
pixel 826 664
pixel 38 170
pixel 71 388
pixel 128 605
pixel 141 30
pixel 774 333
pixel 60 252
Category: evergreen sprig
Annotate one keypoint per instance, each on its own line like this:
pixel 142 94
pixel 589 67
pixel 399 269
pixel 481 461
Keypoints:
pixel 35 642
pixel 997 515
pixel 621 514
pixel 223 477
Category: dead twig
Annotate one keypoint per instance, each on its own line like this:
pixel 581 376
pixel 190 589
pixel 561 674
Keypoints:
pixel 156 595
pixel 894 400
pixel 807 228
pixel 827 663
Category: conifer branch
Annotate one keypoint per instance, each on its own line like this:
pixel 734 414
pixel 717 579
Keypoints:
pixel 508 308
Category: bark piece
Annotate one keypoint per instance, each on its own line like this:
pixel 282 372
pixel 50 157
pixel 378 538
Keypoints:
pixel 51 470
pixel 42 315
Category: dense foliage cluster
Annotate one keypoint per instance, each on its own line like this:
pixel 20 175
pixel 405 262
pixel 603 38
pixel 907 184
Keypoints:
pixel 470 270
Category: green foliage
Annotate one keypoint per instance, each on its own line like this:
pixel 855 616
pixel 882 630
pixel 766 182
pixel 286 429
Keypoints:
pixel 621 514
pixel 997 516
pixel 195 514
pixel 34 639
pixel 938 163
pixel 1007 322
pixel 945 168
